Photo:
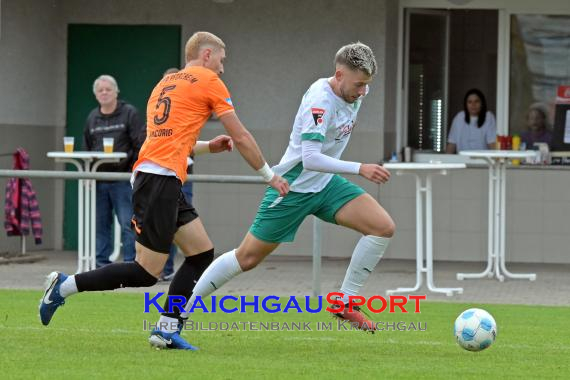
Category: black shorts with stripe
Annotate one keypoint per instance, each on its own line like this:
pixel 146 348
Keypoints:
pixel 159 209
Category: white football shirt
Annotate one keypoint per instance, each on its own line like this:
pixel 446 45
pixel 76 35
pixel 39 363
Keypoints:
pixel 322 116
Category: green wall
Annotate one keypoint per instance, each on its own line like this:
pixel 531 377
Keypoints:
pixel 135 55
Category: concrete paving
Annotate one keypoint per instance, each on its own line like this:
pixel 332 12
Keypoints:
pixel 290 275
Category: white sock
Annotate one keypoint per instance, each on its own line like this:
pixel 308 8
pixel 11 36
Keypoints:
pixel 366 255
pixel 167 324
pixel 68 287
pixel 223 269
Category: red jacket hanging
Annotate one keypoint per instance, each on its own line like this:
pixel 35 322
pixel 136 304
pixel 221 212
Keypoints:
pixel 21 206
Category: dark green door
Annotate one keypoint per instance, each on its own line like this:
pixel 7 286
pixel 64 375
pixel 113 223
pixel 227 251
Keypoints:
pixel 135 55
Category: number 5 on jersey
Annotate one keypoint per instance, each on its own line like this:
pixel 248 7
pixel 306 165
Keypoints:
pixel 166 101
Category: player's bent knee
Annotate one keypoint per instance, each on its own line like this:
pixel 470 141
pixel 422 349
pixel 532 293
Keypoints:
pixel 385 229
pixel 147 281
pixel 390 229
pixel 140 277
pixel 248 261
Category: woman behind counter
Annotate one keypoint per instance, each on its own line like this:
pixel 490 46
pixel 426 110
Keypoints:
pixel 474 128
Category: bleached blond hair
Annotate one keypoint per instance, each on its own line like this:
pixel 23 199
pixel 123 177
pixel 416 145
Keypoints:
pixel 106 78
pixel 199 41
pixel 357 56
pixel 171 70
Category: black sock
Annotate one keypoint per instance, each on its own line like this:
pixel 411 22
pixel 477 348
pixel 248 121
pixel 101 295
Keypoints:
pixel 185 279
pixel 114 276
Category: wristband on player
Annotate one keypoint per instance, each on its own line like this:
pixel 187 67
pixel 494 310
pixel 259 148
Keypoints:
pixel 266 173
pixel 201 147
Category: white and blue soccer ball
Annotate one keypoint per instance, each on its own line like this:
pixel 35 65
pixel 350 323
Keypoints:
pixel 475 329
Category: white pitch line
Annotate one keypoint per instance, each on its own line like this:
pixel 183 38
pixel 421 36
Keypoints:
pixel 541 347
pixel 82 330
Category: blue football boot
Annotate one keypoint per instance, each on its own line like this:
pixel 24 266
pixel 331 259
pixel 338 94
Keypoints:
pixel 162 339
pixel 52 299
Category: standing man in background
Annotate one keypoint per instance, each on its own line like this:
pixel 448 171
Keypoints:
pixel 121 121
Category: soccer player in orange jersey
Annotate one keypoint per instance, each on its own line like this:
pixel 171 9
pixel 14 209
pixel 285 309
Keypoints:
pixel 177 110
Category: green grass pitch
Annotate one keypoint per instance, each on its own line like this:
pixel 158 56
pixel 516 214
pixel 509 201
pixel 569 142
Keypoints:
pixel 100 336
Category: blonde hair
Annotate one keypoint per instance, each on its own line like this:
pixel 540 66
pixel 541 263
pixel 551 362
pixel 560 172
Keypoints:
pixel 106 78
pixel 200 40
pixel 172 70
pixel 357 56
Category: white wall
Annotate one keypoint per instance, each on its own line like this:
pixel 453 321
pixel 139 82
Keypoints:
pixel 275 48
pixel 32 101
pixel 32 64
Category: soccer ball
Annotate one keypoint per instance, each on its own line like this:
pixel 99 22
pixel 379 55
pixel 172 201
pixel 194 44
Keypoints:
pixel 475 329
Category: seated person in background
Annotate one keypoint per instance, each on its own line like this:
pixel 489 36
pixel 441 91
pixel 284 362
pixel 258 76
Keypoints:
pixel 536 127
pixel 474 128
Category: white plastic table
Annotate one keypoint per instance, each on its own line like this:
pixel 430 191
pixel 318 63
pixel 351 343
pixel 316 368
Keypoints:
pixel 423 173
pixel 497 161
pixel 83 161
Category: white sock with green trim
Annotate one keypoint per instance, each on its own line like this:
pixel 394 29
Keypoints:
pixel 223 269
pixel 366 255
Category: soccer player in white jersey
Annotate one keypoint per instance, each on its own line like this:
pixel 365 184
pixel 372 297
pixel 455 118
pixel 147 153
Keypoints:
pixel 312 165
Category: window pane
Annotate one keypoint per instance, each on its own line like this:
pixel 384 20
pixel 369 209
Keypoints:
pixel 427 103
pixel 540 62
pixel 443 64
pixel 472 57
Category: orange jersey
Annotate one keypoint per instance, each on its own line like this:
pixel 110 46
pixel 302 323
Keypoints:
pixel 178 107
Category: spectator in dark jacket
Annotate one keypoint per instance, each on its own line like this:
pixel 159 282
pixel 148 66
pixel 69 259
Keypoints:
pixel 120 120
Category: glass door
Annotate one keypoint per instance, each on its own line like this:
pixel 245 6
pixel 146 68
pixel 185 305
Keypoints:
pixel 426 73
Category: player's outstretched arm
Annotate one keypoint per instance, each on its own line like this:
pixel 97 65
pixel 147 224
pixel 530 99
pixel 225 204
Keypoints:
pixel 248 148
pixel 243 140
pixel 375 173
pixel 314 159
pixel 221 143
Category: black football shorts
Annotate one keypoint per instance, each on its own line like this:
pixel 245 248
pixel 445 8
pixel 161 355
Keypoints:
pixel 159 209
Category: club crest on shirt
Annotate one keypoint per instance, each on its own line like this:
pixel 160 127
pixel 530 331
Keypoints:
pixel 318 114
pixel 344 130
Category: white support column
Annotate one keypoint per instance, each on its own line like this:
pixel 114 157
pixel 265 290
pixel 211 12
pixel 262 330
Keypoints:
pixel 81 251
pixel 92 206
pixel 429 241
pixel 497 160
pixel 117 240
pixel 420 266
pixel 93 230
pixel 488 272
pixel 424 225
pixel 503 210
pixel 497 220
pixel 80 227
